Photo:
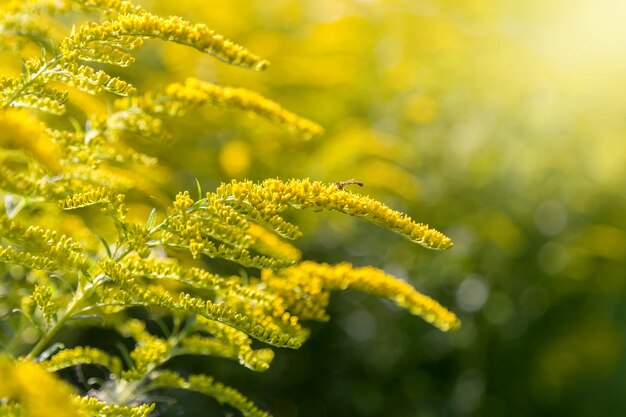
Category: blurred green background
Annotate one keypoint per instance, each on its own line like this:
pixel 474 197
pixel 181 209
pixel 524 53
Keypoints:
pixel 500 123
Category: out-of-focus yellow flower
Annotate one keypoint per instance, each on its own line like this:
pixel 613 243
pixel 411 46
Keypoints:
pixel 21 130
pixel 39 393
pixel 234 159
pixel 269 243
pixel 421 109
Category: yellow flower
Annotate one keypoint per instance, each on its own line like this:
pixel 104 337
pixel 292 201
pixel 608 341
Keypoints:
pixel 262 202
pixel 39 393
pixel 309 282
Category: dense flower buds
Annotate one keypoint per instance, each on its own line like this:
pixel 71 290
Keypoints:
pixel 262 202
pixel 156 264
pixel 178 99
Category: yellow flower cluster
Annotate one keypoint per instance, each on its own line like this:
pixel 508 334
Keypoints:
pixel 109 42
pixel 148 354
pixel 127 30
pixel 178 99
pixel 169 269
pixel 367 279
pixel 306 298
pixel 39 393
pixel 42 98
pixel 25 184
pixel 36 6
pixel 137 237
pixel 91 197
pixel 22 20
pixel 82 355
pixel 268 243
pixel 96 407
pixel 262 202
pixel 226 342
pixel 127 293
pixel 91 81
pixel 113 201
pixel 22 124
pixel 252 296
pixel 240 222
pixel 208 386
pixel 42 296
pixel 28 260
pixel 81 178
pixel 90 149
pixel 139 123
pixel 72 146
pixel 214 229
pixel 32 90
pixel 20 174
pixel 51 246
pixel 265 309
pixel 121 276
pixel 224 394
pixel 218 225
pixel 111 6
pixel 248 302
pixel 134 328
pixel 218 222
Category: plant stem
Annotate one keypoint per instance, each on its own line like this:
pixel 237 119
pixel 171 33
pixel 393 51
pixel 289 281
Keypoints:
pixel 67 314
pixel 127 390
pixel 80 295
pixel 18 93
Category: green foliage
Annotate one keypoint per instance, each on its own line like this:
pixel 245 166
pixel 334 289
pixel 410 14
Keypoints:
pixel 68 263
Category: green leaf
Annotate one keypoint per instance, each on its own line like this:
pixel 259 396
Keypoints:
pixel 199 189
pixel 106 246
pixel 151 219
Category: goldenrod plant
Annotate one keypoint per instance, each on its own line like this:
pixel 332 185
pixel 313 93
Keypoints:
pixel 81 244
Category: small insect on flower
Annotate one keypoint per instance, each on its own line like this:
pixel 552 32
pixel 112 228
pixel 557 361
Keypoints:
pixel 341 184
